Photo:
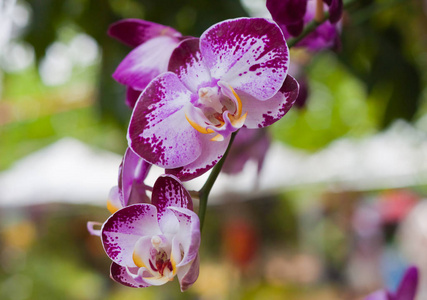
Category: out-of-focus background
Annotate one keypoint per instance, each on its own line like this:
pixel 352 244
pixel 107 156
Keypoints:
pixel 337 210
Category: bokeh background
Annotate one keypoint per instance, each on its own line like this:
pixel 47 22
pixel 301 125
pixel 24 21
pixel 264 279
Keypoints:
pixel 337 210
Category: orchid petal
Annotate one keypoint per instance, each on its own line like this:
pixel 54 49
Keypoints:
pixel 124 228
pixel 265 113
pixel 408 286
pixel 158 131
pixel 120 274
pixel 294 29
pixel 136 72
pixel 144 253
pixel 250 54
pixel 188 235
pixel 160 280
pixel 90 227
pixel 134 172
pixel 187 63
pixel 130 166
pixel 169 191
pixel 212 153
pixel 132 96
pixel 335 10
pixel 287 12
pixel 135 32
pixel 188 274
pixel 115 200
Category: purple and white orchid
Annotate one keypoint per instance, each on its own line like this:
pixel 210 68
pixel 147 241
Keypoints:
pixel 150 244
pixel 153 45
pixel 235 75
pixel 407 289
pixel 131 188
pixel 293 15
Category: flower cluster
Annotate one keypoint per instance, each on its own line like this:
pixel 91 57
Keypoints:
pixel 293 15
pixel 150 243
pixel 189 97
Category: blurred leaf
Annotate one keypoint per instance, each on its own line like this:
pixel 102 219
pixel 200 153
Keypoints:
pixel 374 50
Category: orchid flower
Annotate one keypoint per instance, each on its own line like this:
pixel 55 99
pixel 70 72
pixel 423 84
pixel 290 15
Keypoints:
pixel 150 244
pixel 153 45
pixel 131 188
pixel 292 15
pixel 406 291
pixel 234 76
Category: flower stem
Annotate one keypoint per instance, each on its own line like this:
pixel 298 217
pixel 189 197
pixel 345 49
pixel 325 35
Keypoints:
pixel 206 189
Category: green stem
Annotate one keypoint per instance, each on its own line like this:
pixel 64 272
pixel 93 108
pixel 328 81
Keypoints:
pixel 206 189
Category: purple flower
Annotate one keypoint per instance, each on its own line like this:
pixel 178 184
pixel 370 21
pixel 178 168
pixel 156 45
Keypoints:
pixel 149 244
pixel 131 188
pixel 153 45
pixel 292 15
pixel 235 75
pixel 288 14
pixel 406 290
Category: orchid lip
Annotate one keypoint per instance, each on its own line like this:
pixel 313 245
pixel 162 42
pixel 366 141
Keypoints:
pixel 161 265
pixel 221 121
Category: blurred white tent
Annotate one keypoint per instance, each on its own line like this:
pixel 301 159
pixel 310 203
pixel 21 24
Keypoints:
pixel 394 158
pixel 71 171
pixel 67 170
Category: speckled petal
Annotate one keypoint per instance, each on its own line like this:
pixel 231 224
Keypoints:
pixel 145 62
pixel 169 191
pixel 212 153
pixel 265 113
pixel 250 54
pixel 158 130
pixel 123 229
pixel 187 63
pixel 134 32
pixel 120 274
